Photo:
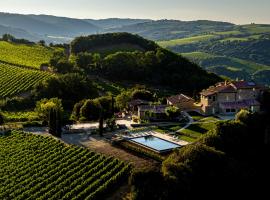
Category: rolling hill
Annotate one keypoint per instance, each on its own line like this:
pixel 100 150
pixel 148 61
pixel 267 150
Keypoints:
pixel 125 57
pixel 249 43
pixel 238 53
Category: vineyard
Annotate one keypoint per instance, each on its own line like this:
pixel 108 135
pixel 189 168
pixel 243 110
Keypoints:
pixel 15 80
pixel 38 167
pixel 25 55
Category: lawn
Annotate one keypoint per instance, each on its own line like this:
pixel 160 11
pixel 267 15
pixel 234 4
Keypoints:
pixel 166 129
pixel 195 130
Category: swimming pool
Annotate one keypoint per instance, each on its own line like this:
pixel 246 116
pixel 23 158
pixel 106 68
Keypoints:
pixel 155 143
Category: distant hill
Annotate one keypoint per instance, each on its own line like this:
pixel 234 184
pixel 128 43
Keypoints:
pixel 249 43
pixel 173 29
pixel 19 33
pixel 115 22
pixel 239 52
pixel 50 28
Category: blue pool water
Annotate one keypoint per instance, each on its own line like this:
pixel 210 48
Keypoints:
pixel 155 143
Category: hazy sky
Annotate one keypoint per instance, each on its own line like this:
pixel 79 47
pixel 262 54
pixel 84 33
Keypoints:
pixel 237 11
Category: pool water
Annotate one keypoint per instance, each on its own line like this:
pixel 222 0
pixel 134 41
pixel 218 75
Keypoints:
pixel 155 143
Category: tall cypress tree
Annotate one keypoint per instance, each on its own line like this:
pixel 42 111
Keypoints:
pixel 101 119
pixel 52 121
pixel 55 122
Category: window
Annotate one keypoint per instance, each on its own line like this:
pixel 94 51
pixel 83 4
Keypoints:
pixel 228 110
pixel 233 110
pixel 210 97
pixel 214 98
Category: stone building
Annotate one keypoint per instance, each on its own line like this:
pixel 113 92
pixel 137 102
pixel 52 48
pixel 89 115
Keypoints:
pixel 230 97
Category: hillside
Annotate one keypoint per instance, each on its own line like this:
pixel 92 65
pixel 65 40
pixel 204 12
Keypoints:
pixel 173 29
pixel 238 53
pixel 132 56
pixel 25 55
pixel 17 80
pixel 234 68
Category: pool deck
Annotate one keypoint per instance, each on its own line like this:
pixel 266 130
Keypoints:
pixel 163 136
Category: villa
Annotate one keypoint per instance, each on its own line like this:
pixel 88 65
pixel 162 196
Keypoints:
pixel 229 97
pixel 181 101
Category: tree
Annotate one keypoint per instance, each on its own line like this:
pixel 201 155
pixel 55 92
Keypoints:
pixel 1 119
pixel 71 88
pixel 90 110
pixel 195 167
pixel 101 122
pixel 86 61
pixel 42 43
pixel 8 38
pixel 143 95
pixel 111 123
pixel 55 127
pixel 243 116
pixel 123 99
pixel 44 106
pixel 172 112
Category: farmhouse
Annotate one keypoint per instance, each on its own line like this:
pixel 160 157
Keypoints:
pixel 230 97
pixel 181 101
pixel 152 112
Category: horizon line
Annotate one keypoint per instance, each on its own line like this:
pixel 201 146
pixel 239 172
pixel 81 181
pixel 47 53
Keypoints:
pixel 137 18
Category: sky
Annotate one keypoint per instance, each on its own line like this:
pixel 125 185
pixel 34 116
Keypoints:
pixel 236 11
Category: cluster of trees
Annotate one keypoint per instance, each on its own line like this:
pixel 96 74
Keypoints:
pixel 11 38
pixel 51 112
pixel 153 64
pixel 160 67
pixel 71 88
pixel 88 43
pixel 90 109
pixel 138 92
pixel 230 161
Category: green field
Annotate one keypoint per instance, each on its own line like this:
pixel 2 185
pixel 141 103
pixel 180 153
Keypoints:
pixel 16 80
pixel 38 167
pixel 231 63
pixel 188 40
pixel 25 55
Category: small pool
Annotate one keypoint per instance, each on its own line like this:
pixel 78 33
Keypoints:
pixel 155 143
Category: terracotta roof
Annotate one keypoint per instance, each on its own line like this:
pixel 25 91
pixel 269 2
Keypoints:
pixel 219 88
pixel 244 84
pixel 179 99
pixel 153 108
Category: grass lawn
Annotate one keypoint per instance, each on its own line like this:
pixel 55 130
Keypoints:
pixel 165 129
pixel 194 131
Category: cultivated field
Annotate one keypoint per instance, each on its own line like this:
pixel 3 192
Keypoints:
pixel 38 167
pixel 25 55
pixel 16 80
